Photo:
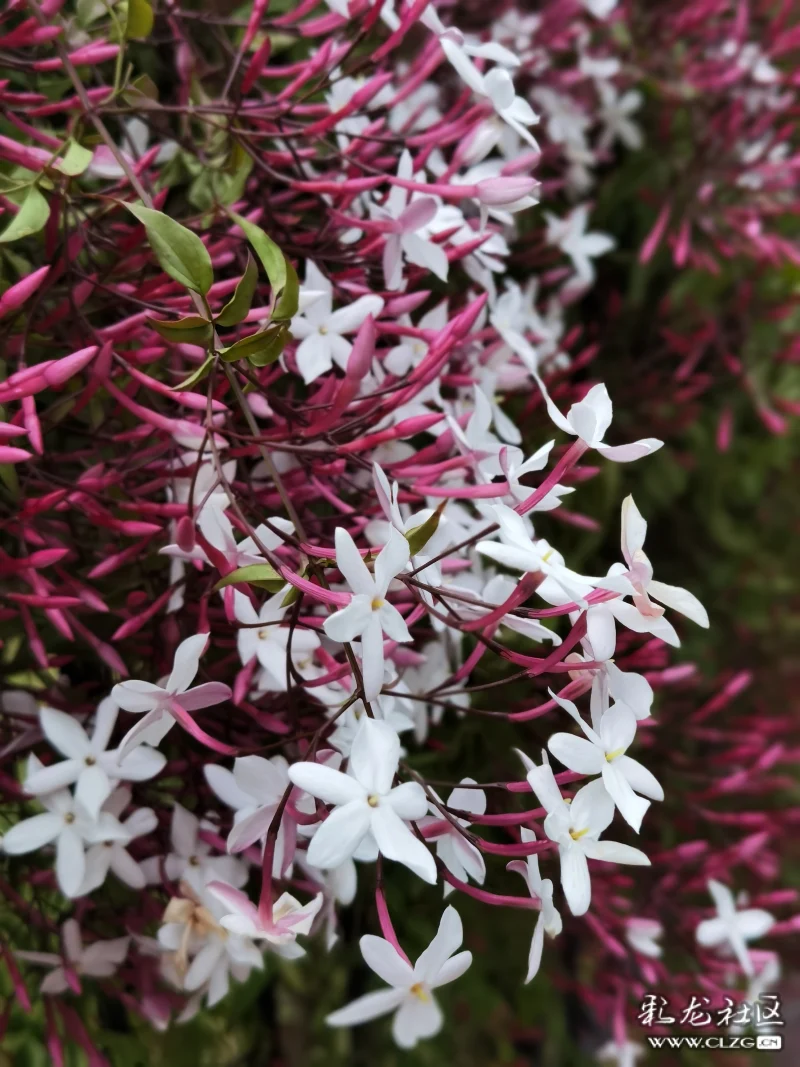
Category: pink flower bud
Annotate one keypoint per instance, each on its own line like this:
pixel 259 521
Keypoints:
pixel 185 534
pixel 15 296
pixel 61 370
pixel 504 190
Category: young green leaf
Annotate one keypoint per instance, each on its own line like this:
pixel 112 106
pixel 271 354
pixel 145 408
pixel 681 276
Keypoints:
pixel 257 346
pixel 180 252
pixel 140 19
pixel 272 350
pixel 420 535
pixel 289 300
pixel 192 329
pixel 282 275
pixel 32 216
pixel 196 376
pixel 237 307
pixel 259 574
pixel 75 160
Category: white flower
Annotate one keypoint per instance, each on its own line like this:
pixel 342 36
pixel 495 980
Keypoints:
pixel 217 529
pixel 88 765
pixel 549 921
pixel 67 824
pixel 406 355
pixel 622 1054
pixel 366 804
pixel 369 614
pixel 590 418
pixel 156 704
pixel 497 86
pixel 576 829
pixel 514 465
pixel 614 113
pixel 601 9
pixel 519 552
pixel 321 330
pixel 254 790
pixel 626 687
pixel 133 145
pixel 411 989
pixel 113 854
pixel 731 927
pixel 386 708
pixel 289 918
pixel 191 853
pixel 603 752
pixel 404 220
pixel 193 927
pixel 98 960
pixel 496 591
pixel 462 859
pixel 570 235
pixel 642 935
pixel 264 638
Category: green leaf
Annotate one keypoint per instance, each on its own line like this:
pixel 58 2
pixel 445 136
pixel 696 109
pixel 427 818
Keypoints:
pixel 237 307
pixel 265 345
pixel 259 574
pixel 180 252
pixel 196 375
pixel 75 160
pixel 33 214
pixel 289 301
pixel 272 351
pixel 193 329
pixel 141 92
pixel 140 19
pixel 282 275
pixel 420 535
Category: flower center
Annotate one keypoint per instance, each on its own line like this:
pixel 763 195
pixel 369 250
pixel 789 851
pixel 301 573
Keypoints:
pixel 263 635
pixel 418 990
pixel 613 755
pixel 194 861
pixel 373 800
pixel 377 603
pixel 90 761
pixel 576 835
pixel 322 330
pixel 69 818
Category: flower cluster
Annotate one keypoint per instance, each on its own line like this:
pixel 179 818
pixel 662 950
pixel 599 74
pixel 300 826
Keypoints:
pixel 311 448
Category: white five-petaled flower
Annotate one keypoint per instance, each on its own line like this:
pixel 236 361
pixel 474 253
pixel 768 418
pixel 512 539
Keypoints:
pixel 590 418
pixel 404 218
pixel 289 918
pixel 113 854
pixel 462 859
pixel 520 552
pixel 637 582
pixel 321 330
pixel 264 638
pixel 549 921
pixel 67 824
pixel 602 751
pixel 366 804
pixel 88 765
pixel 98 960
pixel 570 235
pixel 411 988
pixel 369 614
pixel 254 790
pixel 156 703
pixel 192 853
pixel 193 928
pixel 642 935
pixel 732 927
pixel 576 829
pixel 626 687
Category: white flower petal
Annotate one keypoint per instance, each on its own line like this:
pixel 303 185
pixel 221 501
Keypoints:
pixel 340 835
pixel 385 961
pixel 375 755
pixel 396 842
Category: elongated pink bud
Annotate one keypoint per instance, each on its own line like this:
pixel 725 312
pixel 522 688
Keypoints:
pixel 504 190
pixel 185 534
pixel 8 429
pixel 15 296
pixel 23 155
pixel 61 370
pixel 9 454
pixel 360 359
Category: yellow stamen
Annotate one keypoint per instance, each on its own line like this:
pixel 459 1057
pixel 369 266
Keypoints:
pixel 576 835
pixel 613 755
pixel 419 991
pixel 377 603
pixel 373 801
